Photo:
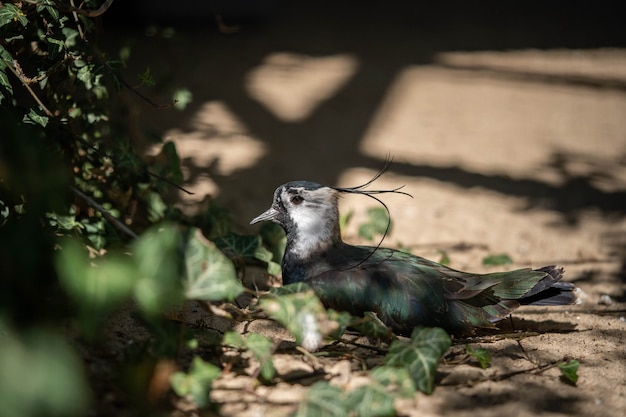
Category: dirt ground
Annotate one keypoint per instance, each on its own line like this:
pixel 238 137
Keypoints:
pixel 508 127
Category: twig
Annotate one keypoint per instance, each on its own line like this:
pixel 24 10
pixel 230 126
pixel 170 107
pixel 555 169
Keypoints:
pixel 107 215
pixel 173 184
pixel 144 98
pixel 89 13
pixel 364 346
pixel 30 90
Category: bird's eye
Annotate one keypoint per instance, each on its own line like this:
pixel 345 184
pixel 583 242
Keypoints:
pixel 296 199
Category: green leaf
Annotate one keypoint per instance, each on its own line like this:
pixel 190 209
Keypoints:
pixel 302 314
pixel 159 265
pixel 569 371
pixel 156 207
pixel 372 400
pixel 210 275
pixel 323 400
pixel 342 319
pixel 34 118
pixel 420 355
pixel 243 247
pixel 370 325
pixel 146 77
pixel 482 355
pixel 260 346
pixel 275 239
pixel 445 259
pixel 273 268
pixel 378 219
pixel 396 379
pixel 195 384
pixel 11 13
pixel 496 260
pixel 290 289
pixel 238 247
pixel 41 376
pixel 96 287
pixel 344 220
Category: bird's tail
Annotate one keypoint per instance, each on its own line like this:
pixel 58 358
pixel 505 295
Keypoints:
pixel 549 291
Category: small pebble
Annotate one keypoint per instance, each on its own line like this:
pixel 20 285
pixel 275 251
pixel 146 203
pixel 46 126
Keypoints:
pixel 605 300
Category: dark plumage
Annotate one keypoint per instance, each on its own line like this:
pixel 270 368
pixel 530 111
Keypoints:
pixel 402 289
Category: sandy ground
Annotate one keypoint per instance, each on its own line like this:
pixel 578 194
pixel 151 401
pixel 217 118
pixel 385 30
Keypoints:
pixel 507 128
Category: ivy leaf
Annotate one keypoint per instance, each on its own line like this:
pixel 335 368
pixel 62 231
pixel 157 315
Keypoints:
pixel 445 259
pixel 158 260
pixel 146 78
pixel 370 325
pixel 420 355
pixel 378 219
pixel 9 13
pixel 247 247
pixel 343 320
pixel 396 379
pixel 96 287
pixel 34 118
pixel 344 220
pixel 210 275
pixel 569 371
pixel 273 268
pixel 482 355
pixel 372 400
pixel 41 375
pixel 496 260
pixel 243 247
pixel 323 399
pixel 156 207
pixel 302 314
pixel 275 239
pixel 260 346
pixel 290 289
pixel 195 384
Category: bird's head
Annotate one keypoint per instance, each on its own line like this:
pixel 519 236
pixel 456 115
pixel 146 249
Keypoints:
pixel 308 213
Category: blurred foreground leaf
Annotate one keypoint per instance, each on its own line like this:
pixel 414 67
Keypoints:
pixel 482 355
pixel 96 287
pixel 210 275
pixel 158 260
pixel 569 371
pixel 420 355
pixel 370 325
pixel 195 384
pixel 40 376
pixel 396 379
pixel 238 247
pixel 260 346
pixel 378 219
pixel 323 399
pixel 499 259
pixel 302 314
pixel 371 400
pixel 275 239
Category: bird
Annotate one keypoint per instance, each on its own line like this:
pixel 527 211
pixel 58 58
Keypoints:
pixel 403 290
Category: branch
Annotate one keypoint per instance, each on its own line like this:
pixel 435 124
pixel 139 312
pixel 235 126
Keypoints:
pixel 173 184
pixel 107 215
pixel 89 13
pixel 144 98
pixel 25 84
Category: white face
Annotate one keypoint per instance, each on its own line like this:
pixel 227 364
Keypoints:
pixel 315 217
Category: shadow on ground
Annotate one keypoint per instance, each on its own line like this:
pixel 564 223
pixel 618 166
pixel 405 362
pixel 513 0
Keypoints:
pixel 384 38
